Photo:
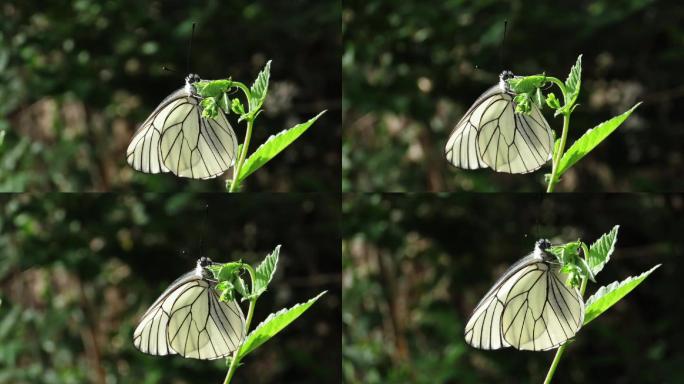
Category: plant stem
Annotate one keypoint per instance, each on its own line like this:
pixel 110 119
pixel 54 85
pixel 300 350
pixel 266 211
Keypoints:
pixel 561 349
pixel 558 154
pixel 243 155
pixel 250 314
pixel 248 135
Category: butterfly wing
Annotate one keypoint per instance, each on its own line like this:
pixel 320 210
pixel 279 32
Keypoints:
pixel 483 329
pixel 512 142
pixel 190 320
pixel 540 312
pixel 461 149
pixel 528 308
pixel 175 138
pixel 203 327
pixel 150 335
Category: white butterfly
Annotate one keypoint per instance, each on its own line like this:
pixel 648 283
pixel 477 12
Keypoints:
pixel 189 319
pixel 491 134
pixel 175 138
pixel 528 308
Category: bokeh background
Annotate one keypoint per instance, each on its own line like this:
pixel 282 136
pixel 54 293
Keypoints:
pixel 78 271
pixel 78 77
pixel 410 71
pixel 415 267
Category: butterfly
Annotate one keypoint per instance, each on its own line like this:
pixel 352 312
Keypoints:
pixel 188 319
pixel 491 134
pixel 176 138
pixel 528 308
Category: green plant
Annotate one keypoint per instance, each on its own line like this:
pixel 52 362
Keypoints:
pixel 231 283
pixel 529 90
pixel 217 95
pixel 582 263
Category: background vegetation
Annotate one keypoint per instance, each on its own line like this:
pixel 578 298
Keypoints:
pixel 78 77
pixel 410 71
pixel 78 271
pixel 415 267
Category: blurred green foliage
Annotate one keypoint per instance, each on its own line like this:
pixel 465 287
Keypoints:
pixel 78 77
pixel 416 266
pixel 78 271
pixel 411 70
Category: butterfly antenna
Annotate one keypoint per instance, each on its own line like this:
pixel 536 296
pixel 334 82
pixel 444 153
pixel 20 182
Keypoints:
pixel 503 40
pixel 203 229
pixel 192 35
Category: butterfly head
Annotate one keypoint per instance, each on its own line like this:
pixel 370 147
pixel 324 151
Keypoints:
pixel 189 81
pixel 543 244
pixel 505 75
pixel 540 249
pixel 201 268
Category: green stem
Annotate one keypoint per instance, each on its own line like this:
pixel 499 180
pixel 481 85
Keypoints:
pixel 243 155
pixel 561 349
pixel 557 154
pixel 235 361
pixel 248 135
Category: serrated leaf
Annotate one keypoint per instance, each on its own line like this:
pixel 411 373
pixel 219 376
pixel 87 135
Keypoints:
pixel 539 98
pixel 527 84
pixel 237 107
pixel 552 101
pixel 213 88
pixel 590 140
pixel 228 270
pixel 601 249
pixel 273 324
pixel 240 287
pixel 574 81
pixel 265 272
pixel 225 103
pixel 209 108
pixel 260 88
pixel 605 297
pixel 273 146
pixel 523 103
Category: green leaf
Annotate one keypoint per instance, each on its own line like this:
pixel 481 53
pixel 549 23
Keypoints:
pixel 523 103
pixel 600 251
pixel 590 140
pixel 273 146
pixel 260 88
pixel 605 297
pixel 228 271
pixel 241 287
pixel 527 84
pixel 213 88
pixel 237 107
pixel 573 82
pixel 552 101
pixel 2 136
pixel 225 103
pixel 209 108
pixel 539 98
pixel 273 324
pixel 265 272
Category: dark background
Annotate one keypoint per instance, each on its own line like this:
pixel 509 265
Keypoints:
pixel 394 132
pixel 78 77
pixel 415 267
pixel 78 271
